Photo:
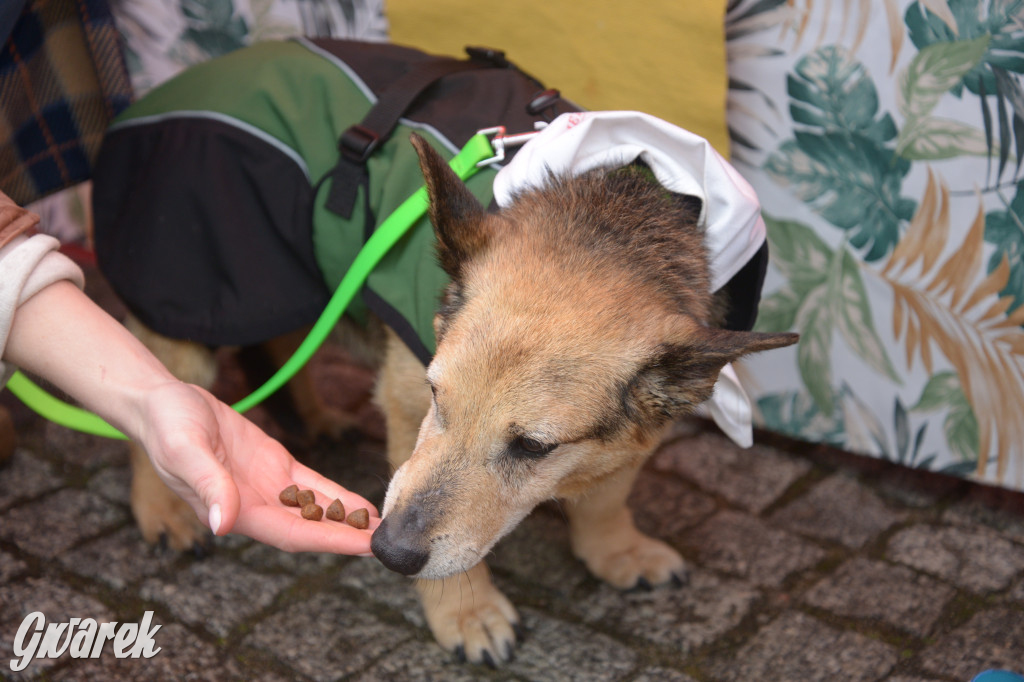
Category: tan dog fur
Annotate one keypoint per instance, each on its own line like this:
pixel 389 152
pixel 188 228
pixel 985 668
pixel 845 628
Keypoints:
pixel 577 320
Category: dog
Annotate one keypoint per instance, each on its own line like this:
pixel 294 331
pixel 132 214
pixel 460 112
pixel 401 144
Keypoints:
pixel 577 324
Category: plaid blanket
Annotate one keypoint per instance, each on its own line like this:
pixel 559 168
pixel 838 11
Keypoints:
pixel 62 80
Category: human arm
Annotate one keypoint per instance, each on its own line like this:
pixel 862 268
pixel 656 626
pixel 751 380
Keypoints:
pixel 215 459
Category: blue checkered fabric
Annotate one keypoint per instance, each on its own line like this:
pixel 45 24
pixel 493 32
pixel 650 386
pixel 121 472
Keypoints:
pixel 62 80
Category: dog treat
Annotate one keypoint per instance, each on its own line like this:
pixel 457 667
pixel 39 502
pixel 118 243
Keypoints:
pixel 313 512
pixel 287 496
pixel 336 511
pixel 305 497
pixel 360 518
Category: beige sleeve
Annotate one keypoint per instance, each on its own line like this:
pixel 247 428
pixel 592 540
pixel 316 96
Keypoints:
pixel 28 265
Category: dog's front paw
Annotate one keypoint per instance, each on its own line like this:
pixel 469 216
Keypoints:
pixel 644 563
pixel 163 518
pixel 470 617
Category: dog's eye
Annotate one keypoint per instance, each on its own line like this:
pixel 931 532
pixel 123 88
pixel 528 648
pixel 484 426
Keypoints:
pixel 528 447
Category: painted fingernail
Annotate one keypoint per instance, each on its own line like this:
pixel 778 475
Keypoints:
pixel 215 518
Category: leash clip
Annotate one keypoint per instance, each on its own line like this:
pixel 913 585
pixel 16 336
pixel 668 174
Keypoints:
pixel 503 140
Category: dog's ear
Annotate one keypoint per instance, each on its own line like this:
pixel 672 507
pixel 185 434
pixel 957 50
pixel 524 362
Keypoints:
pixel 682 375
pixel 456 214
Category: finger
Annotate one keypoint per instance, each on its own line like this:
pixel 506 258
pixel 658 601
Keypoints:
pixel 285 529
pixel 212 484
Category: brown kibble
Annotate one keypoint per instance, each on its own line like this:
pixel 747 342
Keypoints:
pixel 305 497
pixel 336 511
pixel 313 512
pixel 287 496
pixel 360 519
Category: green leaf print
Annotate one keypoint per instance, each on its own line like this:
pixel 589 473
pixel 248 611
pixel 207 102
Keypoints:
pixel 798 253
pixel 777 312
pixel 814 352
pixel 935 70
pixel 838 162
pixel 824 292
pixel 943 391
pixel 852 182
pixel 1000 25
pixel 1005 229
pixel 932 139
pixel 931 74
pixel 213 26
pixel 832 91
pixel 797 414
pixel 993 76
pixel 854 318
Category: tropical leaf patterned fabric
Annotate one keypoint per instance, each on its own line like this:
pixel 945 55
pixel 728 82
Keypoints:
pixel 885 139
pixel 162 37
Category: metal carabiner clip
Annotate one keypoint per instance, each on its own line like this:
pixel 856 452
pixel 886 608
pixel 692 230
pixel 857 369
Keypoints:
pixel 502 141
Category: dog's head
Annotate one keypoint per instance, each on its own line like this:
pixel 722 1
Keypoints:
pixel 573 331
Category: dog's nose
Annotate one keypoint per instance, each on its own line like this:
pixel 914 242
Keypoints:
pixel 399 546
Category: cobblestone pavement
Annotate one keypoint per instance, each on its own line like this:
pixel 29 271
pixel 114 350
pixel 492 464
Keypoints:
pixel 806 564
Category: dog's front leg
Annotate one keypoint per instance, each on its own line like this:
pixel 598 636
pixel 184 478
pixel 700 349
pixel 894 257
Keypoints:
pixel 470 616
pixel 318 418
pixel 466 612
pixel 603 535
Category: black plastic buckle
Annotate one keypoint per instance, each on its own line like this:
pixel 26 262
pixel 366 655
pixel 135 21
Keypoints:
pixel 488 55
pixel 358 143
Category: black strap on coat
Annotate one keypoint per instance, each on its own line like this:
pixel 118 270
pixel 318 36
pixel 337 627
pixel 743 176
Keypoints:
pixel 361 140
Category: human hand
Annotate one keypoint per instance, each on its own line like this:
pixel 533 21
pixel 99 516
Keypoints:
pixel 231 473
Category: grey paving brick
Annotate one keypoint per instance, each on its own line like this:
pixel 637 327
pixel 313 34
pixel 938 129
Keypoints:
pixel 663 507
pixel 24 476
pixel 427 662
pixel 680 618
pixel 970 513
pixel 10 567
pixel 1017 594
pixel 992 639
pixel 892 594
pixel 538 551
pixel 751 479
pixel 662 675
pixel 215 594
pixel 839 509
pixel 118 560
pixel 796 646
pixel 325 637
pixel 975 558
pixel 49 526
pixel 385 587
pixel 556 650
pixel 182 656
pixel 747 547
pixel 58 604
pixel 114 483
pixel 258 555
pixel 906 678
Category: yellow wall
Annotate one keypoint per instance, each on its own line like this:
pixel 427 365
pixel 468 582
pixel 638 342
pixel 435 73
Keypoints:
pixel 663 57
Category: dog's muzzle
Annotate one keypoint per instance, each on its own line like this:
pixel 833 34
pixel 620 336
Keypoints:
pixel 401 542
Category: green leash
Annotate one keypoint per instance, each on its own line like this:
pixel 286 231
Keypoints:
pixel 465 164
